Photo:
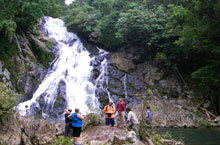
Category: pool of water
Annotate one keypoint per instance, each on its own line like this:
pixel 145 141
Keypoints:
pixel 199 136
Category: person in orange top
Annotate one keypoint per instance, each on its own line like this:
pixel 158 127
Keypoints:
pixel 109 111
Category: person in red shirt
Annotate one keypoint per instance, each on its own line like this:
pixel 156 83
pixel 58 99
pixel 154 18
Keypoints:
pixel 120 112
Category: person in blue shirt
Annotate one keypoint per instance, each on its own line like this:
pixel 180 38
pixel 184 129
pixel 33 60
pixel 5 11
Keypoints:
pixel 77 124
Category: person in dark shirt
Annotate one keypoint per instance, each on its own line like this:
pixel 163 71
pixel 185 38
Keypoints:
pixel 68 127
pixel 120 112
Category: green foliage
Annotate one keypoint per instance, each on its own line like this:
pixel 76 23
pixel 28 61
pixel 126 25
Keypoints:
pixel 160 139
pixel 64 141
pixel 157 139
pixel 8 100
pixel 21 16
pixel 205 124
pixel 199 40
pixel 144 129
pixel 24 14
pixel 112 23
pixel 92 120
pixel 7 50
pixel 144 27
pixel 43 56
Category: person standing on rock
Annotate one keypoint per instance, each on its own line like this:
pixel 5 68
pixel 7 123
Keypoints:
pixel 109 114
pixel 149 115
pixel 77 121
pixel 68 126
pixel 120 112
pixel 132 121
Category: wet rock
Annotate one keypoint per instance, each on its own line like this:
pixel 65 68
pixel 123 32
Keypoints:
pixel 72 42
pixel 122 63
pixel 217 119
pixel 116 86
pixel 99 58
pixel 95 73
pixel 95 63
pixel 93 49
pixel 30 81
pixel 60 103
pixel 102 95
pixel 113 72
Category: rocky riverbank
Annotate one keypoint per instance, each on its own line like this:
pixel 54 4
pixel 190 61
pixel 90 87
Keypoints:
pixel 27 131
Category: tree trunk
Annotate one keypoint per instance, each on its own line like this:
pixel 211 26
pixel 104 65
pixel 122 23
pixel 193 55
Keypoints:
pixel 216 94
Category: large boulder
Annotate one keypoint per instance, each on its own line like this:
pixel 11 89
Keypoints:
pixel 122 63
pixel 11 132
pixel 108 136
pixel 19 130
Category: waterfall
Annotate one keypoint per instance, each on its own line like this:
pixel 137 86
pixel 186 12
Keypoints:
pixel 71 67
pixel 67 2
pixel 125 86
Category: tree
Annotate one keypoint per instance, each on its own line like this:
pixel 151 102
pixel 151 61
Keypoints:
pixel 8 99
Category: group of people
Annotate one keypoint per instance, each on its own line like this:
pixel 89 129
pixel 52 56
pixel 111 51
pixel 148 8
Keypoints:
pixel 74 121
pixel 111 117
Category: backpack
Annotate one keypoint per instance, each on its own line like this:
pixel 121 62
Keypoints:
pixel 149 116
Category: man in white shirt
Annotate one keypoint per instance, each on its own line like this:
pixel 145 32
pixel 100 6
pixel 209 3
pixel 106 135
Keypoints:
pixel 132 121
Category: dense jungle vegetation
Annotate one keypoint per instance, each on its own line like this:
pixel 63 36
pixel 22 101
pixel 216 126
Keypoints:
pixel 180 34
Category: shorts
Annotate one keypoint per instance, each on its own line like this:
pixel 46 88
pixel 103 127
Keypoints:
pixel 77 131
pixel 68 130
pixel 109 121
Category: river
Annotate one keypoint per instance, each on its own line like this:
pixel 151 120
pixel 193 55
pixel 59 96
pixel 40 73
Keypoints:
pixel 199 136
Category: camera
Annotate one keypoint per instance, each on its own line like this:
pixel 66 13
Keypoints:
pixel 109 114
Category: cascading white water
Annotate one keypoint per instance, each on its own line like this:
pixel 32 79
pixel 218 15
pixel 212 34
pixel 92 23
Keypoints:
pixel 125 86
pixel 67 2
pixel 72 66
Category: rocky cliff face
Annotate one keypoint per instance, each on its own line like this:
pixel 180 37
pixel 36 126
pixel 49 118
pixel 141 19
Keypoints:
pixel 130 81
pixel 171 103
pixel 26 70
